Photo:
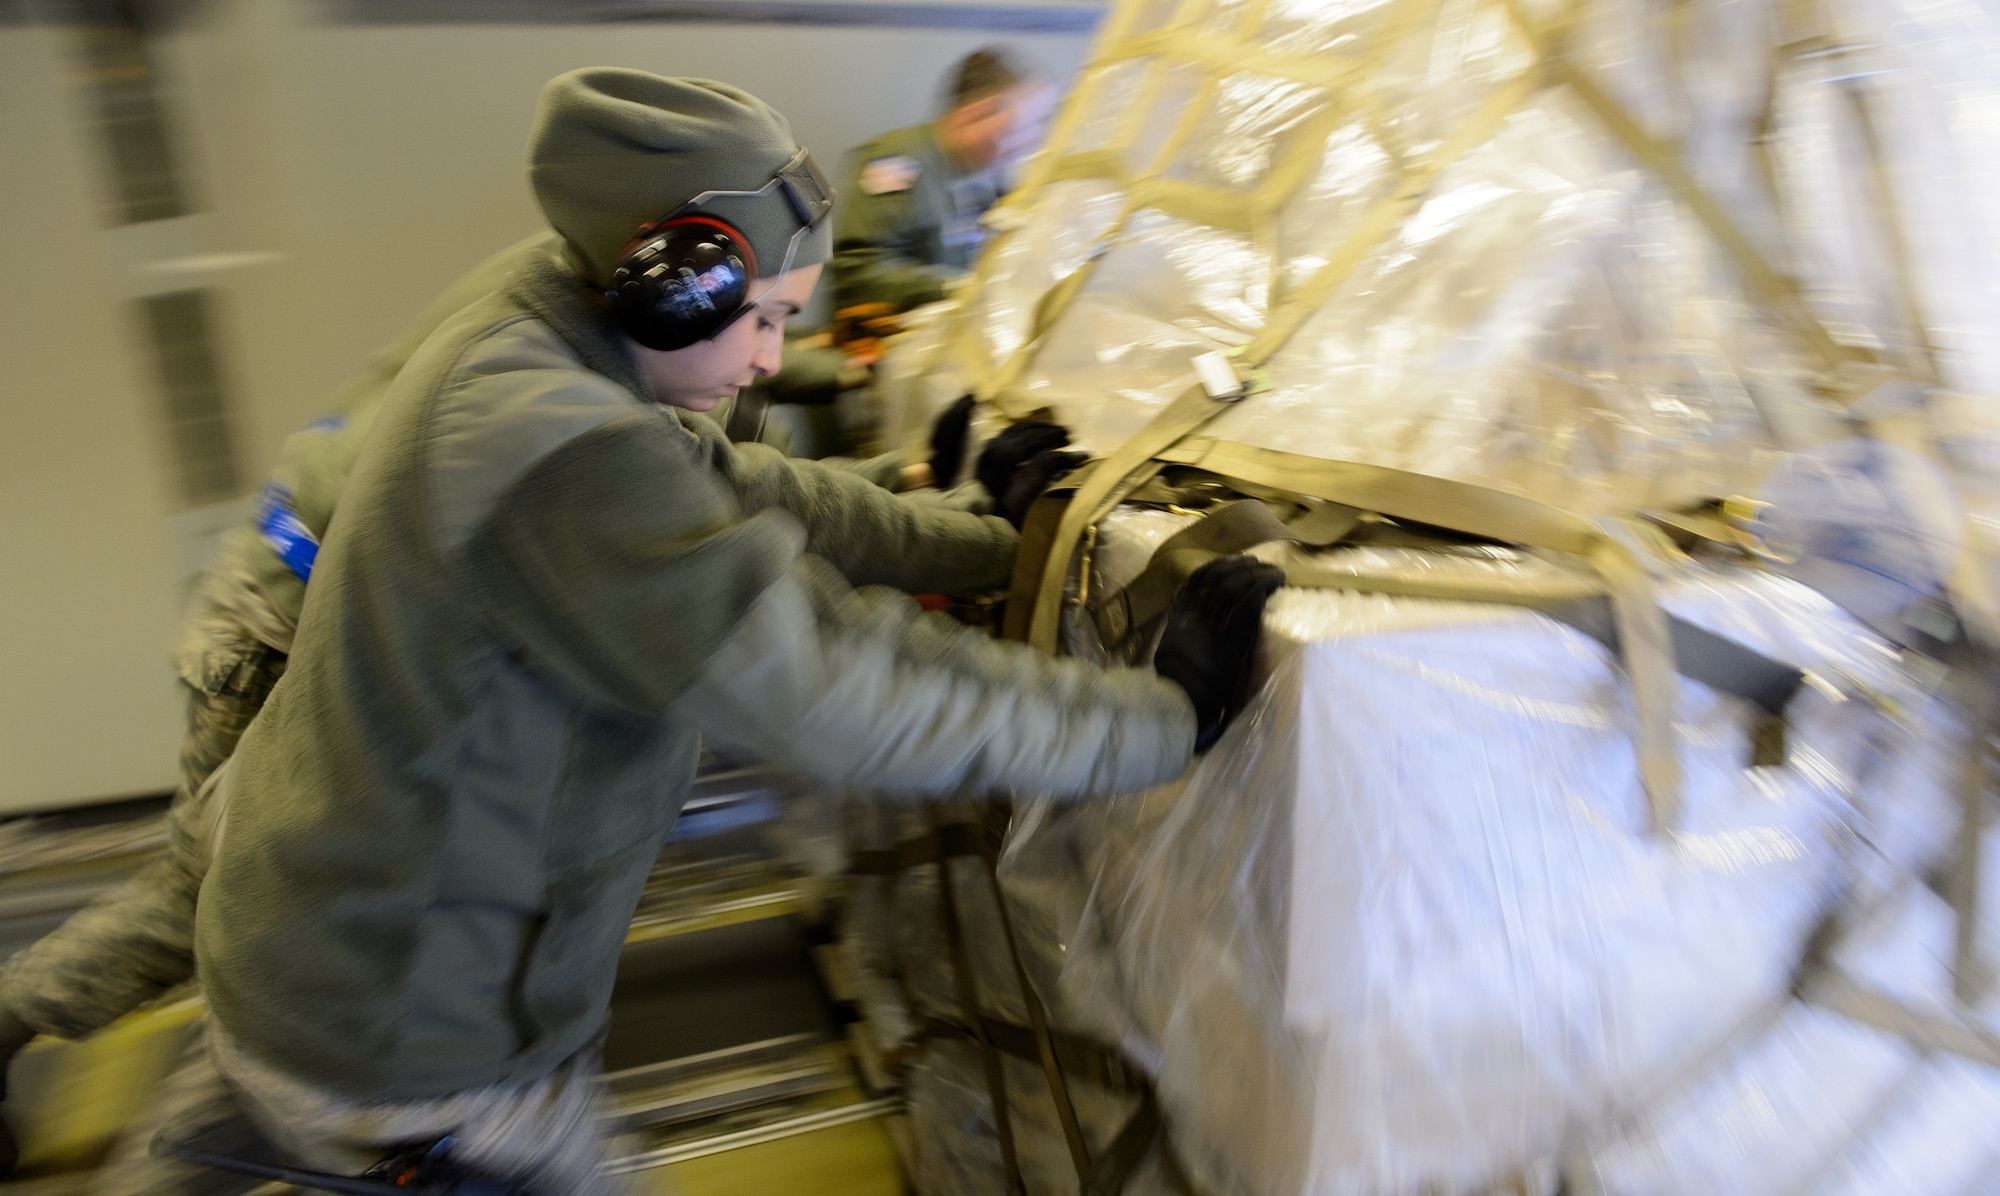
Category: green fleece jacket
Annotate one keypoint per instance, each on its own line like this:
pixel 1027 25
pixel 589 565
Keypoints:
pixel 249 585
pixel 250 589
pixel 542 592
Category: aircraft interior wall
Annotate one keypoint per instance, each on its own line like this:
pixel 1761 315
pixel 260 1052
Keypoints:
pixel 329 174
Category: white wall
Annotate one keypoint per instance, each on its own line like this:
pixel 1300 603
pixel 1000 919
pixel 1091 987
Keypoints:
pixel 402 148
pixel 86 606
pixel 344 174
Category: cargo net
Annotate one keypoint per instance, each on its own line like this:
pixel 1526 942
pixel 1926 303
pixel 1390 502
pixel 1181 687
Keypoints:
pixel 1610 256
pixel 1570 280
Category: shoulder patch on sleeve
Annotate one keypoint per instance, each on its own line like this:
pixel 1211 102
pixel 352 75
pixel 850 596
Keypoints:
pixel 885 176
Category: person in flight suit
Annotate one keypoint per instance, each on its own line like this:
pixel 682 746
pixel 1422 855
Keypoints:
pixel 908 224
pixel 135 943
pixel 551 581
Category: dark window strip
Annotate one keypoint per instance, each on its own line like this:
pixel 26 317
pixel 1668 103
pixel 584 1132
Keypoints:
pixel 179 329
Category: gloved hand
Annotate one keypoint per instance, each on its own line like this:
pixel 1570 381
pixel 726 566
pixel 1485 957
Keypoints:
pixel 948 442
pixel 1028 482
pixel 1211 637
pixel 1014 447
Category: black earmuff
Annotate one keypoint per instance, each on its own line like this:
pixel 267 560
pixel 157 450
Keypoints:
pixel 682 280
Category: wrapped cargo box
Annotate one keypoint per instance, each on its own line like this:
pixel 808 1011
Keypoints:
pixel 1608 380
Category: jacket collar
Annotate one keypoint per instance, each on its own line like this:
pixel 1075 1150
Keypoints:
pixel 549 288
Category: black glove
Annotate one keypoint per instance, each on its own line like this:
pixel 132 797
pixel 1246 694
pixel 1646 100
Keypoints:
pixel 1031 479
pixel 948 442
pixel 1014 447
pixel 1211 636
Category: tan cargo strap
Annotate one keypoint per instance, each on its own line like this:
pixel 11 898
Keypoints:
pixel 1971 659
pixel 1943 1030
pixel 1620 551
pixel 1971 977
pixel 1059 1054
pixel 1698 654
pixel 1696 525
pixel 1779 295
pixel 1035 552
pixel 1045 1052
pixel 1719 663
pixel 966 990
pixel 1033 557
pixel 1105 1175
pixel 1116 476
pixel 1194 408
pixel 1225 530
pixel 1397 493
pixel 1093 1063
pixel 1084 1058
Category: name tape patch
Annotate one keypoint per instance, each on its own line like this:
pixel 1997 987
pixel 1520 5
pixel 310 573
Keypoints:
pixel 885 176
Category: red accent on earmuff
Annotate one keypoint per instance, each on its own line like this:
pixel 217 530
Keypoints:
pixel 736 237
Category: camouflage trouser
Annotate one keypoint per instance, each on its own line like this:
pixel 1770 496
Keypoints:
pixel 137 941
pixel 216 720
pixel 544 1135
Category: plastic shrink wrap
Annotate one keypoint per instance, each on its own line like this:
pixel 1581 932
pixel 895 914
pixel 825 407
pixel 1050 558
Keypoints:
pixel 901 959
pixel 958 1141
pixel 1820 1103
pixel 1552 317
pixel 1405 929
pixel 1938 1134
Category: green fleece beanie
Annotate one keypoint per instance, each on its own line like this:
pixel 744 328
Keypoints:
pixel 614 150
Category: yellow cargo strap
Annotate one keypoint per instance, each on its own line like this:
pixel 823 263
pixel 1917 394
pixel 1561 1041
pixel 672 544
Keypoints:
pixel 1778 294
pixel 1397 493
pixel 1116 476
pixel 1708 523
pixel 1194 408
pixel 1192 41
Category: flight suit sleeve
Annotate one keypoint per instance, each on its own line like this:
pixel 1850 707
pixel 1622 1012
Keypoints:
pixel 131 944
pixel 618 561
pixel 969 497
pixel 621 559
pixel 876 239
pixel 123 949
pixel 872 536
pixel 860 687
pixel 885 470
